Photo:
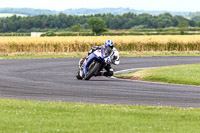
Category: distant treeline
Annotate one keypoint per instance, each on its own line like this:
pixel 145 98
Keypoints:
pixel 62 21
pixel 83 11
pixel 28 11
pixel 195 16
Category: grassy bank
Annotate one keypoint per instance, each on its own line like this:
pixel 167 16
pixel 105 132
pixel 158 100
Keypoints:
pixel 46 117
pixel 182 74
pixel 30 55
pixel 42 55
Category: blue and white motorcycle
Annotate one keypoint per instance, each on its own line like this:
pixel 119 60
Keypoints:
pixel 94 63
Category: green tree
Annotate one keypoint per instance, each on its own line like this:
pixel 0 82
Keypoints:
pixel 199 24
pixel 75 28
pixel 97 25
pixel 160 26
pixel 182 25
pixel 196 18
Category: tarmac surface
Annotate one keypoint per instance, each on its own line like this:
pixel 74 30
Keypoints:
pixel 54 80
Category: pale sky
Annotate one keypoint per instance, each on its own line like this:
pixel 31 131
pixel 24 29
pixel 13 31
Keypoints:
pixel 167 5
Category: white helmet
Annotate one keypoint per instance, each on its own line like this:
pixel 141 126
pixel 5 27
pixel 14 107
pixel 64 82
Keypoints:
pixel 109 43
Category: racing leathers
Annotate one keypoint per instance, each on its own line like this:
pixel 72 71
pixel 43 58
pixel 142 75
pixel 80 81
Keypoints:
pixel 114 60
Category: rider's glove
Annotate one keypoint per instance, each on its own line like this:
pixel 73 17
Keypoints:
pixel 108 60
pixel 113 61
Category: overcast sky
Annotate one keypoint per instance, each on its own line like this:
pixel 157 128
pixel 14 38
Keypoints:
pixel 168 5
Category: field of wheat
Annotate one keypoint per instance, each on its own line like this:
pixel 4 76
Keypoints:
pixel 82 44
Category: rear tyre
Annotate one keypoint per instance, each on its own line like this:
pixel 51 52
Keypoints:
pixel 93 69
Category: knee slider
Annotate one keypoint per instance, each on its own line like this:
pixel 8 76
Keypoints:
pixel 111 73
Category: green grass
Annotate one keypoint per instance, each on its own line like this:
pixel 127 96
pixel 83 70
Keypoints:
pixel 158 53
pixel 49 117
pixel 32 56
pixel 181 74
pixel 83 54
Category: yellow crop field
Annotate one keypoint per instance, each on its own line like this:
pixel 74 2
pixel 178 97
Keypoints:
pixel 83 43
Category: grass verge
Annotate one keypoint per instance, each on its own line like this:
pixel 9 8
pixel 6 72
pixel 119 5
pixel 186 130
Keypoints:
pixel 83 54
pixel 181 74
pixel 46 117
pixel 42 55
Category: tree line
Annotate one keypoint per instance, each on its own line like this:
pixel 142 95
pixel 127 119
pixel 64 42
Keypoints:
pixel 83 11
pixel 28 11
pixel 63 21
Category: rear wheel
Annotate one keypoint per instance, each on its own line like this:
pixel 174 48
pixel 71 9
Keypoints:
pixel 93 68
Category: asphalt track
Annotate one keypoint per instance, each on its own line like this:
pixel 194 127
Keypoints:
pixel 54 80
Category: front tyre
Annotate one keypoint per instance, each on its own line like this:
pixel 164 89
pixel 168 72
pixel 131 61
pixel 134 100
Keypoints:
pixel 78 75
pixel 93 69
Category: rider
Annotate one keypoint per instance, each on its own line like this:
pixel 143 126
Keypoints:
pixel 114 58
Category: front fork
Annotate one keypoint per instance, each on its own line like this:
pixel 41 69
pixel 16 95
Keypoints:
pixel 81 61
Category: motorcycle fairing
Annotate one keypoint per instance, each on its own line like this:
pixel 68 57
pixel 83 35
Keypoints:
pixel 88 62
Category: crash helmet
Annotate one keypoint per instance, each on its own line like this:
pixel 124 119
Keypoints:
pixel 109 43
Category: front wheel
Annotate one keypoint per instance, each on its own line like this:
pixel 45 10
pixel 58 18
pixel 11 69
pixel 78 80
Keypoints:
pixel 78 75
pixel 92 69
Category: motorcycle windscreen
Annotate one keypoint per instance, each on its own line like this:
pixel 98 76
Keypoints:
pixel 106 51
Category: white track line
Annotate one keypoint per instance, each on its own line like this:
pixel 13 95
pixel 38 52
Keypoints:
pixel 133 69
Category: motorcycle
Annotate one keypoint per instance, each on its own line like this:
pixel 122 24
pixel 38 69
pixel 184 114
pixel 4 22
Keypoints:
pixel 94 63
